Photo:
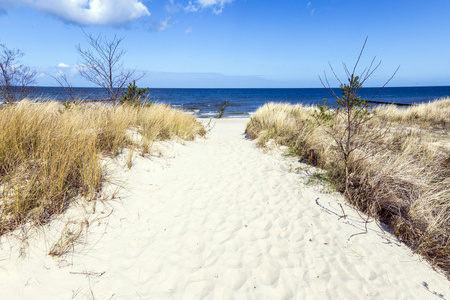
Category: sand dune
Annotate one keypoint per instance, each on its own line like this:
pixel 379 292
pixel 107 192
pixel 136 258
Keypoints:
pixel 217 218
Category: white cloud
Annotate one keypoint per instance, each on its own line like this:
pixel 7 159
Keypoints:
pixel 89 12
pixel 173 7
pixel 160 25
pixel 63 65
pixel 216 5
pixel 163 25
pixel 309 6
pixel 189 30
pixel 191 7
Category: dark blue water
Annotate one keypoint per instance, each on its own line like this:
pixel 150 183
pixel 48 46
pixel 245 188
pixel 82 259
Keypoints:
pixel 243 102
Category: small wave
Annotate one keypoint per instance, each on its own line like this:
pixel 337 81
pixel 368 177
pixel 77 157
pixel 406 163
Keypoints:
pixel 209 114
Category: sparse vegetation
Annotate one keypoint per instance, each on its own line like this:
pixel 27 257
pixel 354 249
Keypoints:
pixel 345 123
pixel 134 95
pixel 15 78
pixel 49 153
pixel 404 182
pixel 102 65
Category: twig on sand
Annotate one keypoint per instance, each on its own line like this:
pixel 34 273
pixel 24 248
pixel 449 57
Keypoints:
pixel 343 213
pixel 209 127
pixel 89 273
pixel 364 232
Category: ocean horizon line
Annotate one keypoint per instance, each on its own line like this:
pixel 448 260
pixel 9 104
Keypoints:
pixel 248 88
pixel 244 101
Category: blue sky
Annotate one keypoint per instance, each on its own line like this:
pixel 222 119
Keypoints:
pixel 237 43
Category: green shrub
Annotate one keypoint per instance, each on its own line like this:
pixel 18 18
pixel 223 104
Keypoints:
pixel 134 95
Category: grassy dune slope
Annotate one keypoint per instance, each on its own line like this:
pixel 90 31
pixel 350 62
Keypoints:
pixel 50 154
pixel 403 178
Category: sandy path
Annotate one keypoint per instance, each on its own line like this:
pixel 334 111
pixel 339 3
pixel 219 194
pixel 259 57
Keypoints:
pixel 224 220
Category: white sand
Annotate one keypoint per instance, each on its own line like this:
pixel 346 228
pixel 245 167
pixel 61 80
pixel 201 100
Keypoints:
pixel 221 220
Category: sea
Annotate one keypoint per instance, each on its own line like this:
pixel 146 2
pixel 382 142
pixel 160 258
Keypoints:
pixel 243 102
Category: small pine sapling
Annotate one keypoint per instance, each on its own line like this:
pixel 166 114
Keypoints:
pixel 134 95
pixel 346 123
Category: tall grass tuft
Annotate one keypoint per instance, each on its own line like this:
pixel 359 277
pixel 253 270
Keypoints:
pixel 402 178
pixel 50 154
pixel 290 125
pixel 431 115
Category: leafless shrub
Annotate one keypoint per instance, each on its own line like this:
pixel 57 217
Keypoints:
pixel 102 64
pixel 65 84
pixel 15 78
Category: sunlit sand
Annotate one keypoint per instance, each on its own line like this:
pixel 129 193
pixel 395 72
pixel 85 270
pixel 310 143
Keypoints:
pixel 217 218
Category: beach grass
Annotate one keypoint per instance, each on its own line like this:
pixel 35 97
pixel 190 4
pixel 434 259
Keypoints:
pixel 50 154
pixel 402 178
pixel 428 115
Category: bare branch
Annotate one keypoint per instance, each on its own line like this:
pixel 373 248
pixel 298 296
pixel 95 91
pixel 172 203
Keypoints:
pixel 384 85
pixel 327 86
pixel 347 73
pixel 360 55
pixel 64 82
pixel 102 64
pixel 334 73
pixel 15 78
pixel 369 71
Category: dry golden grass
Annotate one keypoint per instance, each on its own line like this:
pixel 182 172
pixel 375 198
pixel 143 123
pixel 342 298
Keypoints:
pixel 280 121
pixel 50 154
pixel 435 114
pixel 403 178
pixel 289 125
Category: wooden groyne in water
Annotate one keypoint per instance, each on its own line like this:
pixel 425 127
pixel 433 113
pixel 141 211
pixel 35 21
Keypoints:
pixel 391 103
